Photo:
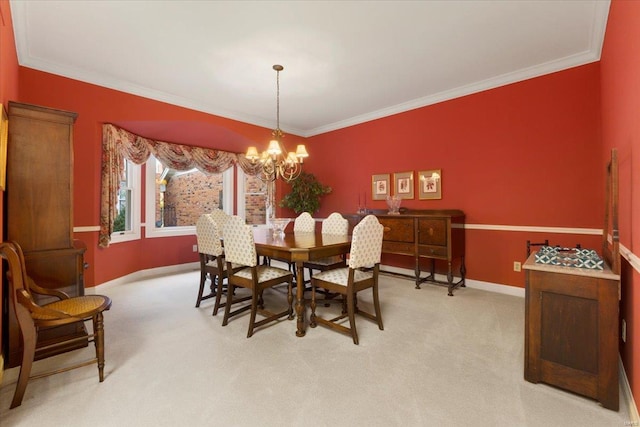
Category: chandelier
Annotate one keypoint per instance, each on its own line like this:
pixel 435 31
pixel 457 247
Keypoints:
pixel 276 161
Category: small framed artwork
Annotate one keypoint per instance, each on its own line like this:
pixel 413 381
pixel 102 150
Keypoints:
pixel 4 136
pixel 403 184
pixel 380 186
pixel 430 184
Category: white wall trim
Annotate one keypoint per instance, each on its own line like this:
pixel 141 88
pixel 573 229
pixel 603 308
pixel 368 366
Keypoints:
pixel 470 283
pixel 633 259
pixel 627 396
pixel 86 229
pixel 146 274
pixel 535 229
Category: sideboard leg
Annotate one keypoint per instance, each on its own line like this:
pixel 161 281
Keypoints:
pixel 450 279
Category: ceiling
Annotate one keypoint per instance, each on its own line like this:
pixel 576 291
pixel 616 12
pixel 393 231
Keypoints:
pixel 345 62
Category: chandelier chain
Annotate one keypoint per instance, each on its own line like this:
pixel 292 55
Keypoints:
pixel 278 99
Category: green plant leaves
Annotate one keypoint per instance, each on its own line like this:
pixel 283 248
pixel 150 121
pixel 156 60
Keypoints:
pixel 305 194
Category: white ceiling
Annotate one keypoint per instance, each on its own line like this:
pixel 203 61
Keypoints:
pixel 345 62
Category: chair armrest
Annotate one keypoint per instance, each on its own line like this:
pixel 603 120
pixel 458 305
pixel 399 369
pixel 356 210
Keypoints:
pixel 44 291
pixel 25 300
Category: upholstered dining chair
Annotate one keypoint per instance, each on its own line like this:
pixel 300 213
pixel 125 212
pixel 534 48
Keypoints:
pixel 361 273
pixel 240 249
pixel 334 224
pixel 33 317
pixel 220 217
pixel 304 223
pixel 212 263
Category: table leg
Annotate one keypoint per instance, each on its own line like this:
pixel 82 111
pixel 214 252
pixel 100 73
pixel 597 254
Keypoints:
pixel 300 298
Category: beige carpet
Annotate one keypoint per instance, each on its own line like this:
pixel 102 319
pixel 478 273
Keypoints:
pixel 440 361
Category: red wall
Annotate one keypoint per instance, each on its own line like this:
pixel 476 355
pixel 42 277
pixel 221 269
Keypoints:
pixel 620 83
pixel 526 154
pixel 97 105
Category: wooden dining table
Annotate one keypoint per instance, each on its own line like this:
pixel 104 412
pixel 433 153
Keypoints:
pixel 296 247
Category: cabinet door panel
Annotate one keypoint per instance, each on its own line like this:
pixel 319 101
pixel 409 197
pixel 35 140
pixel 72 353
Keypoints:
pixel 432 231
pixel 569 331
pixel 398 229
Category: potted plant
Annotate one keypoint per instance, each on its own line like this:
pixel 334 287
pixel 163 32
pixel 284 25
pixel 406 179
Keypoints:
pixel 305 194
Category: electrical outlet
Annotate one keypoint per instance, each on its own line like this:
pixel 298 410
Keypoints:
pixel 517 266
pixel 195 248
pixel 624 330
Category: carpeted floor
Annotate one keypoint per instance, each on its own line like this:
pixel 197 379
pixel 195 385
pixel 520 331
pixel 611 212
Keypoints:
pixel 440 361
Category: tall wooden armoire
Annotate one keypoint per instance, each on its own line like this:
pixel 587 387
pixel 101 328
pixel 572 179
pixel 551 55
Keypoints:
pixel 39 215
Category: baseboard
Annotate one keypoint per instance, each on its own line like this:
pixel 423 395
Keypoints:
pixel 476 284
pixel 147 274
pixel 627 396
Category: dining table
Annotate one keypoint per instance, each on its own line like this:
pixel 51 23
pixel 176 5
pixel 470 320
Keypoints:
pixel 298 248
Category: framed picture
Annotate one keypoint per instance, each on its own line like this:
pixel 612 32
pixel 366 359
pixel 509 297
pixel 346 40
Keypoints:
pixel 403 184
pixel 4 136
pixel 380 186
pixel 430 184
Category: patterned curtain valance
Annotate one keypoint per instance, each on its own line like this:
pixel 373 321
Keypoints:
pixel 119 144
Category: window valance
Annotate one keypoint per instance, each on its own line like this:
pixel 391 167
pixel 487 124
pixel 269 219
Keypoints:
pixel 119 144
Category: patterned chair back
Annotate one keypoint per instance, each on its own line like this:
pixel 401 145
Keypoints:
pixel 239 246
pixel 366 243
pixel 335 224
pixel 304 223
pixel 220 217
pixel 208 236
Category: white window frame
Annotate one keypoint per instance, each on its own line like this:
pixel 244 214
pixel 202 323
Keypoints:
pixel 134 179
pixel 151 231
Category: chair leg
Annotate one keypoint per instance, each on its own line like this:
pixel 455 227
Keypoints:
pixel 352 316
pixel 218 292
pixel 29 343
pixel 376 305
pixel 227 306
pixel 98 330
pixel 203 279
pixel 254 310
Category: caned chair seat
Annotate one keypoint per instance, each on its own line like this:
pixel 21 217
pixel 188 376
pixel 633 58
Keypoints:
pixel 240 249
pixel 32 317
pixel 361 273
pixel 82 306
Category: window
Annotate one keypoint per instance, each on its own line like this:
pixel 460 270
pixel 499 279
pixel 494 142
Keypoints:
pixel 127 223
pixel 176 199
pixel 252 197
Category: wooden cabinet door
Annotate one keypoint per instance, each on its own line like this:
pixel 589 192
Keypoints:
pixel 571 334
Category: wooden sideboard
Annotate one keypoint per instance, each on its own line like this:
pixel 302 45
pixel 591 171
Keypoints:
pixel 432 234
pixel 571 329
